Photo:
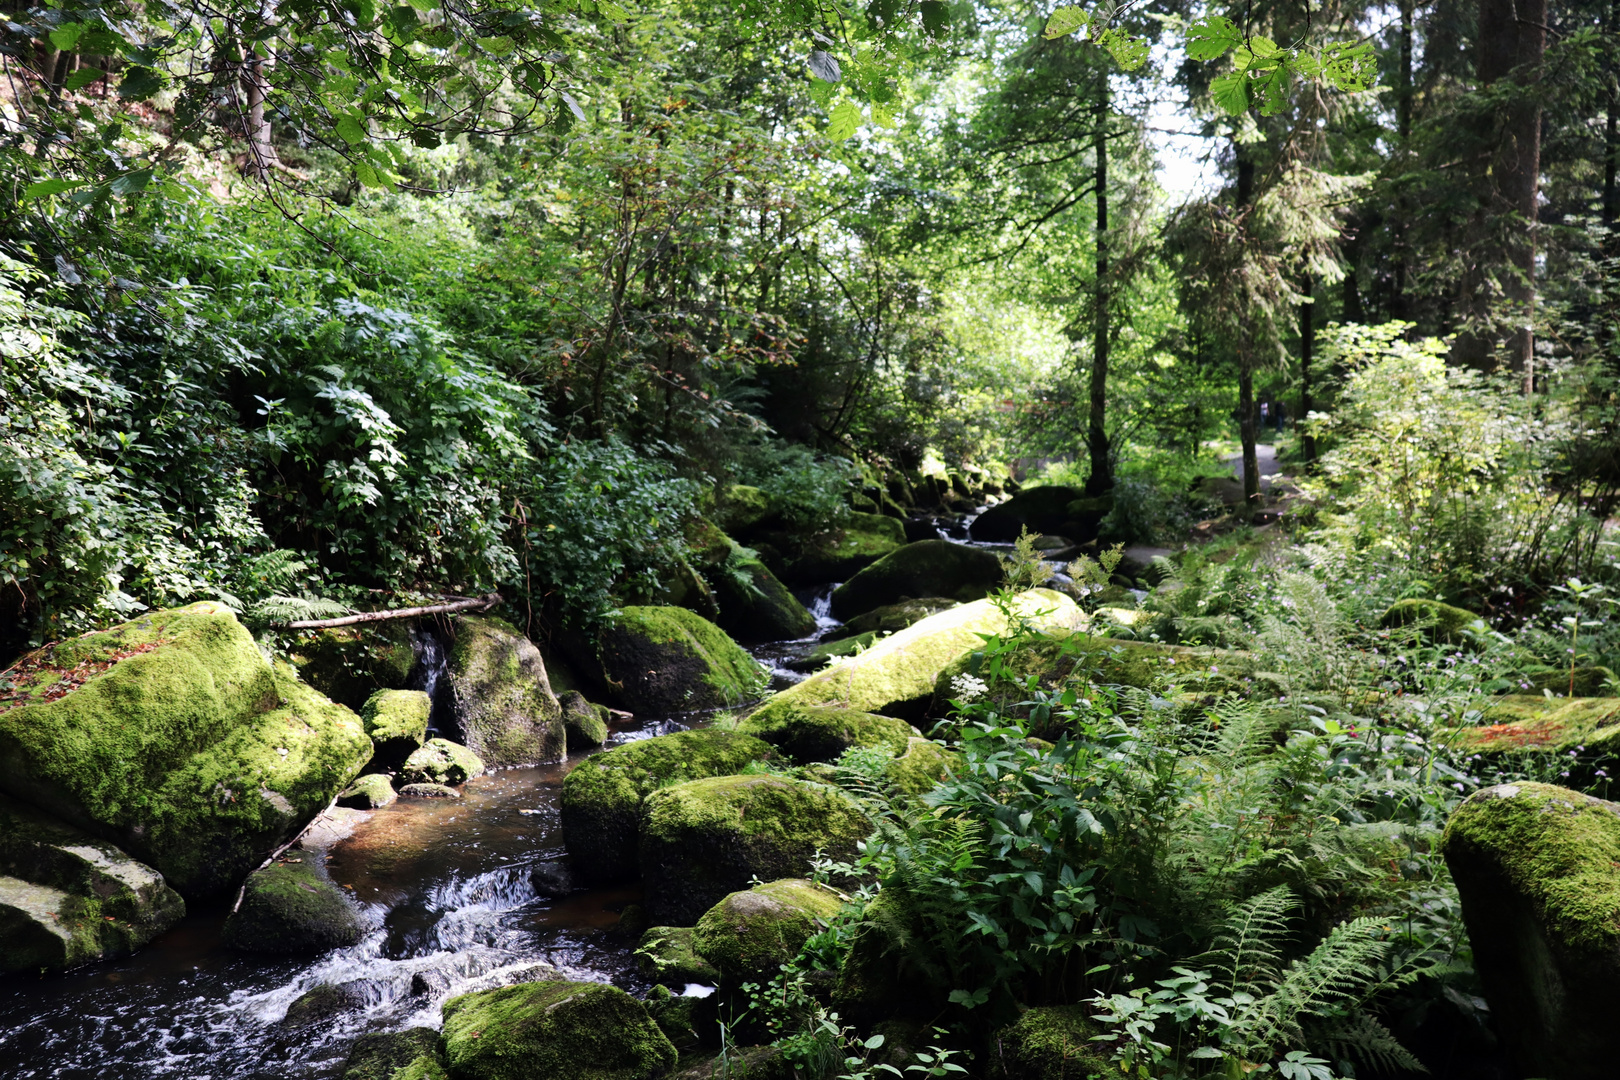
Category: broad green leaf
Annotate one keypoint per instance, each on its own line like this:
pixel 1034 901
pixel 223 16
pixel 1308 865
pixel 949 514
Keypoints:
pixel 883 11
pixel 936 16
pixel 1212 37
pixel 82 78
pixel 1128 52
pixel 845 118
pixel 41 189
pixel 351 130
pixel 497 46
pixel 67 35
pixel 1231 92
pixel 139 83
pixel 1066 20
pixel 612 11
pixel 366 174
pixel 1273 91
pixel 1261 46
pixel 131 182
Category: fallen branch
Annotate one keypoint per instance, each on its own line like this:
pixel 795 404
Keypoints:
pixel 480 604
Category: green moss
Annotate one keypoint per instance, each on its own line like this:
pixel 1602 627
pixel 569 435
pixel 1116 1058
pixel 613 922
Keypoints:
pixel 921 767
pixel 556 1030
pixel 1585 730
pixel 742 508
pixel 755 605
pixel 371 792
pixel 504 704
pixel 440 761
pixel 348 663
pixel 706 838
pixel 1444 622
pixel 669 659
pixel 397 722
pixel 926 568
pixel 837 556
pixel 288 908
pixel 897 673
pixel 752 933
pixel 425 1067
pixel 586 724
pixel 822 654
pixel 1051 1043
pixel 378 1055
pixel 894 617
pixel 677 1016
pixel 821 733
pixel 667 955
pixel 38 931
pixel 602 796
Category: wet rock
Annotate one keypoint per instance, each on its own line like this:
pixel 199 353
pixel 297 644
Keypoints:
pixel 676 1016
pixel 350 663
pixel 1442 622
pixel 742 509
pixel 182 744
pixel 668 659
pixel 706 838
pixel 1038 509
pixel 376 1056
pixel 863 540
pixel 586 724
pixel 922 766
pixel 554 878
pixel 68 899
pixel 397 723
pixel 1534 867
pixel 755 605
pixel 371 792
pixel 927 568
pixel 1050 1043
pixel 822 732
pixel 667 955
pixel 750 934
pixel 288 908
pixel 429 791
pixel 504 704
pixel 890 618
pixel 557 1030
pixel 896 676
pixel 440 761
pixel 822 655
pixel 602 796
pixel 320 1005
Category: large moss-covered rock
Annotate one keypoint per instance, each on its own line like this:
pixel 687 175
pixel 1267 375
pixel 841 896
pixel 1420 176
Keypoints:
pixel 742 509
pixel 668 659
pixel 504 704
pixel 555 1029
pixel 741 1063
pixel 706 838
pixel 1535 868
pixel 750 934
pixel 754 604
pixel 378 1055
pixel 440 761
pixel 922 766
pixel 350 663
pixel 890 618
pixel 397 723
pixel 838 555
pixel 602 797
pixel 1582 733
pixel 290 909
pixel 174 738
pixel 371 792
pixel 1038 509
pixel 1050 1043
pixel 926 568
pixel 668 955
pixel 1444 622
pixel 68 899
pixel 585 723
pixel 822 732
pixel 896 676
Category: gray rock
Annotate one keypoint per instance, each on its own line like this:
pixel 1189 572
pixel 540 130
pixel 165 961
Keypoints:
pixel 429 791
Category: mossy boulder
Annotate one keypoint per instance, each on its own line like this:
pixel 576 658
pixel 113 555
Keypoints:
pixel 504 704
pixel 808 733
pixel 936 568
pixel 397 723
pixel 378 1055
pixel 172 737
pixel 678 1017
pixel 1442 622
pixel 1584 733
pixel 896 676
pixel 350 663
pixel 754 604
pixel 424 790
pixel 1038 509
pixel 823 654
pixel 586 724
pixel 557 1030
pixel 750 934
pixel 1050 1043
pixel 742 509
pixel 371 792
pixel 1589 682
pixel 875 982
pixel 667 659
pixel 669 956
pixel 1534 866
pixel 838 555
pixel 425 1067
pixel 321 1005
pixel 602 797
pixel 68 899
pixel 706 838
pixel 289 908
pixel 741 1063
pixel 922 766
pixel 890 618
pixel 440 761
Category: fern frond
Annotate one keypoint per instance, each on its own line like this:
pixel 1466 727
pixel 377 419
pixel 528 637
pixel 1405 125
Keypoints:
pixel 1248 947
pixel 1363 1037
pixel 286 609
pixel 1344 968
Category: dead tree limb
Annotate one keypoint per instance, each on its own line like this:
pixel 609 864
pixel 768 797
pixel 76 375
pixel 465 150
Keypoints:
pixel 480 604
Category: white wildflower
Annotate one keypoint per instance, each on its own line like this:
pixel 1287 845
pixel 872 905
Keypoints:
pixel 966 688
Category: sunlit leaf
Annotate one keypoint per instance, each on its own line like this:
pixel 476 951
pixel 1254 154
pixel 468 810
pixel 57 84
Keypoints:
pixel 1212 37
pixel 41 189
pixel 1066 20
pixel 82 78
pixel 1231 92
pixel 351 130
pixel 1128 52
pixel 845 119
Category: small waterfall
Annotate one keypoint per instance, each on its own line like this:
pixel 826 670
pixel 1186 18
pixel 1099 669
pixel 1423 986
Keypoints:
pixel 820 606
pixel 429 676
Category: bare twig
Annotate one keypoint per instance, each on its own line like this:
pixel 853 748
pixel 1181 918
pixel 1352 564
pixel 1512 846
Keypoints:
pixel 480 604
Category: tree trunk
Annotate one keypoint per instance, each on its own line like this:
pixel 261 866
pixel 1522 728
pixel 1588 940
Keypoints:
pixel 261 154
pixel 1403 125
pixel 1307 346
pixel 1102 473
pixel 1248 420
